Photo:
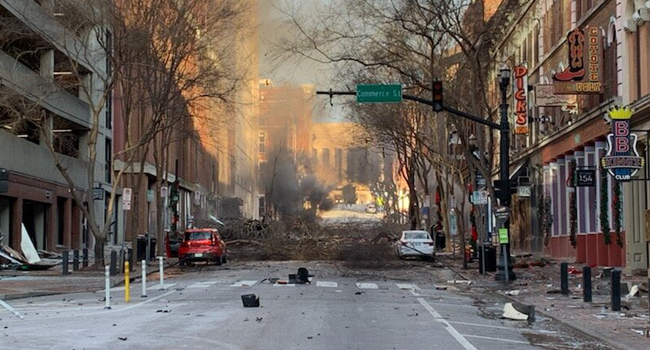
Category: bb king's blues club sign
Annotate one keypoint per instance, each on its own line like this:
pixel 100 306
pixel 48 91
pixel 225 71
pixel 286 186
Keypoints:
pixel 622 160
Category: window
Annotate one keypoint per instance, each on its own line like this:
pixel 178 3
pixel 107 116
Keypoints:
pixel 108 163
pixel 262 142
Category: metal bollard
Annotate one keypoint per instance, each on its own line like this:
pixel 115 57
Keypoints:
pixel 586 284
pixel 616 290
pixel 107 288
pixel 161 272
pixel 127 282
pixel 113 263
pixel 131 258
pixel 564 278
pixel 122 260
pixel 64 265
pixel 85 258
pixel 144 279
pixel 75 260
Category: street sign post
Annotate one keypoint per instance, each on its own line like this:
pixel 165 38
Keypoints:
pixel 480 197
pixel 126 198
pixel 374 93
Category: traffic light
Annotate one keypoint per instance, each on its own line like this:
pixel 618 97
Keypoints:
pixel 437 96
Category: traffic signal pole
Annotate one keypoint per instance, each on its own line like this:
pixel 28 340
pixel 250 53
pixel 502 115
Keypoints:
pixel 503 184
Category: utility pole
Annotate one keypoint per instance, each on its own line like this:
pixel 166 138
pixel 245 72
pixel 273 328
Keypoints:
pixel 503 184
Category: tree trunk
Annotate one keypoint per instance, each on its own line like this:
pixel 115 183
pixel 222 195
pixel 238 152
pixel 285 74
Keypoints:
pixel 99 251
pixel 413 202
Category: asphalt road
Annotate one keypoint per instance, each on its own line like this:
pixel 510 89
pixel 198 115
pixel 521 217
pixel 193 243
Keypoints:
pixel 200 308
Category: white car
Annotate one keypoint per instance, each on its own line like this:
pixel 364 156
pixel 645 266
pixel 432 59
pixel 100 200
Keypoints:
pixel 371 208
pixel 415 243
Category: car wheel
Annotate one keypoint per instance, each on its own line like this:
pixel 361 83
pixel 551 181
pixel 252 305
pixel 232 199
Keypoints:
pixel 219 260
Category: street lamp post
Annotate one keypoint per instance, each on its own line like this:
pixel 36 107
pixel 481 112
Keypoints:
pixel 504 174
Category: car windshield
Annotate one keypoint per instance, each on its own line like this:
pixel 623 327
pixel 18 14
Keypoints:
pixel 197 235
pixel 416 235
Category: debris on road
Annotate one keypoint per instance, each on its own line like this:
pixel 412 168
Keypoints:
pixel 122 338
pixel 440 287
pixel 519 312
pixel 250 300
pixel 513 293
pixel 465 282
pixel 633 292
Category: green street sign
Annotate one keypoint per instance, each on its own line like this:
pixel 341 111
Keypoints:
pixel 373 93
pixel 503 236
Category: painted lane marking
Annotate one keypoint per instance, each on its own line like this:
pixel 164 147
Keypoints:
pixel 104 312
pixel 454 333
pixel 367 285
pixel 244 283
pixel 284 285
pixel 496 339
pixel 481 325
pixel 407 286
pixel 326 284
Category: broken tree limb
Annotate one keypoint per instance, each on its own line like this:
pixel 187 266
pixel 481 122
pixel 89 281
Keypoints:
pixel 243 241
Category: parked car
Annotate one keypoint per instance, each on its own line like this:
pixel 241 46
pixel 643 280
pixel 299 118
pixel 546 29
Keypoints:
pixel 202 245
pixel 371 208
pixel 415 243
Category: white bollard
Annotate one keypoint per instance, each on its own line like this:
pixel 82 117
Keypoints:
pixel 161 272
pixel 107 287
pixel 144 278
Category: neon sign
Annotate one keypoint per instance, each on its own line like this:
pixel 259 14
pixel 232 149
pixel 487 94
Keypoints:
pixel 622 160
pixel 521 100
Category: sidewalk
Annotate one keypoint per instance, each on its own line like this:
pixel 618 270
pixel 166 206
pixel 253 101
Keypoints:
pixel 540 286
pixel 15 284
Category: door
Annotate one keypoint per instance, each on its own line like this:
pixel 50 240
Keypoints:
pixel 634 209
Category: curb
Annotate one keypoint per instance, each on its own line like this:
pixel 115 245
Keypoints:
pixel 554 318
pixel 45 294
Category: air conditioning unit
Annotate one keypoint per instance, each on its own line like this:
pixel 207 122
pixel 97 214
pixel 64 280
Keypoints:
pixel 629 26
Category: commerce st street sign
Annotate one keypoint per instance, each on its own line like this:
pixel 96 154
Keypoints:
pixel 373 93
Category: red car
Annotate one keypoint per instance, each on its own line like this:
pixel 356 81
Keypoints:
pixel 202 244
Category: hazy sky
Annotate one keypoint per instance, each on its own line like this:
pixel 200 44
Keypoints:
pixel 305 72
pixel 270 30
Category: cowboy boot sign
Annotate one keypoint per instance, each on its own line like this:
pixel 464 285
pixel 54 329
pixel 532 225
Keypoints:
pixel 582 75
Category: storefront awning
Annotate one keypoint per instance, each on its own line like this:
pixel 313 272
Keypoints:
pixel 520 170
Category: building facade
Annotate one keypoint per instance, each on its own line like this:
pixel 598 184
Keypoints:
pixel 48 75
pixel 573 62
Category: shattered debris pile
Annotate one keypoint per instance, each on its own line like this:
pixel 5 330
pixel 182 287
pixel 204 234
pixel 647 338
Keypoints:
pixel 352 243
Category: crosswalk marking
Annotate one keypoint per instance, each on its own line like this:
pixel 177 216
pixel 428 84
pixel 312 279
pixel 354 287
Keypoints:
pixel 407 286
pixel 326 284
pixel 284 285
pixel 205 284
pixel 367 285
pixel 244 283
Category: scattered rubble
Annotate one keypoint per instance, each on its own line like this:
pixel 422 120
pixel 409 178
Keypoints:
pixel 519 312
